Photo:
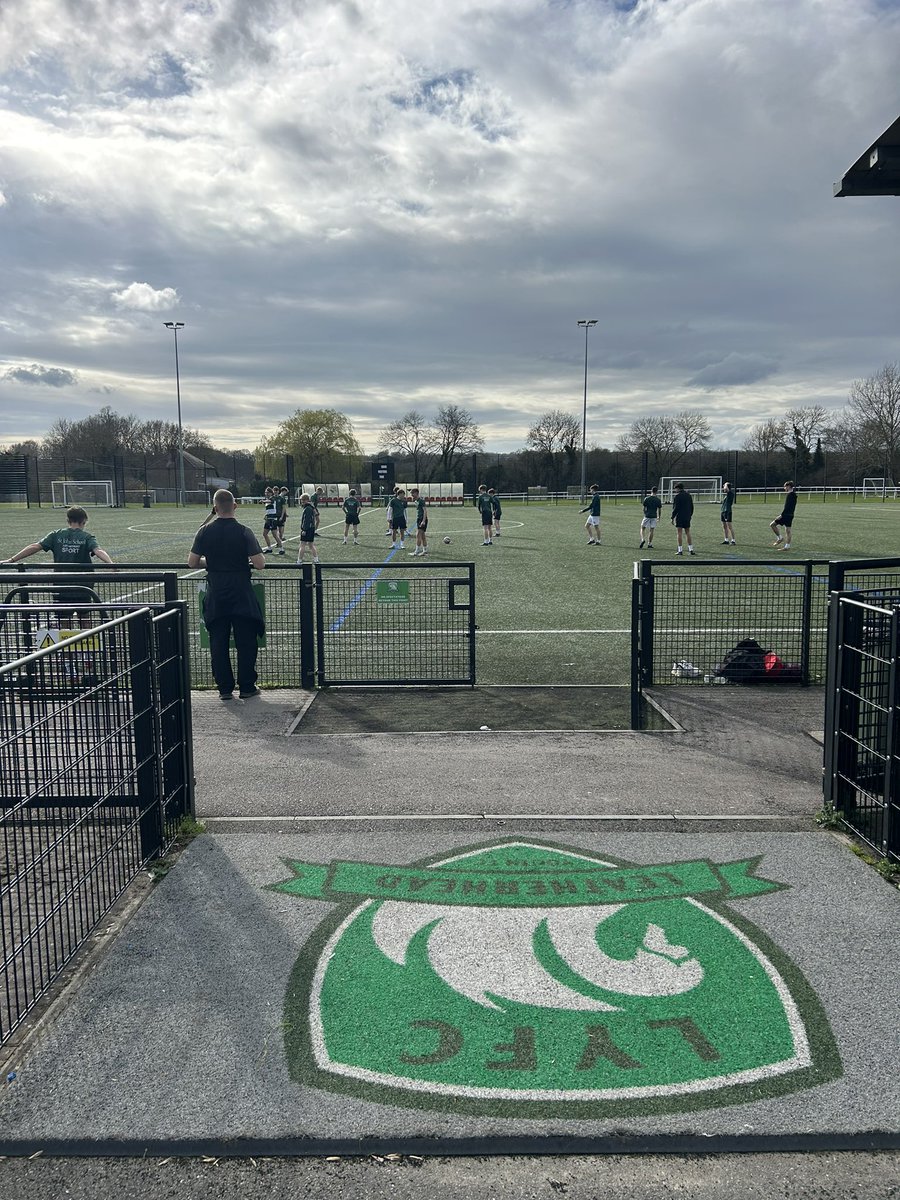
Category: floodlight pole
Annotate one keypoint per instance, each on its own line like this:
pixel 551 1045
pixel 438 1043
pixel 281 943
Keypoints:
pixel 175 326
pixel 587 325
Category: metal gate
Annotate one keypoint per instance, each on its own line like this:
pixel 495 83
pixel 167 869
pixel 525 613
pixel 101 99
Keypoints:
pixel 380 623
pixel 862 717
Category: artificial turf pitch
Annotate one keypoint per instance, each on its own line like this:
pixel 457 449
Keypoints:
pixel 550 609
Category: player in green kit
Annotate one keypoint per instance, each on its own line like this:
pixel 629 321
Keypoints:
pixel 70 545
pixel 351 517
pixel 592 524
pixel 421 524
pixel 486 508
pixel 398 518
pixel 307 531
pixel 280 509
pixel 498 511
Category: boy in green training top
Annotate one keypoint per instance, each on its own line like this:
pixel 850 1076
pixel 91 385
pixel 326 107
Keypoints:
pixel 592 524
pixel 351 517
pixel 307 531
pixel 498 511
pixel 70 545
pixel 486 508
pixel 398 518
pixel 421 524
pixel 725 515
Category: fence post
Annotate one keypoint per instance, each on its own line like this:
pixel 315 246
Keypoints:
pixel 636 653
pixel 170 587
pixel 832 707
pixel 307 629
pixel 184 707
pixel 647 584
pixel 891 841
pixel 472 625
pixel 805 623
pixel 144 711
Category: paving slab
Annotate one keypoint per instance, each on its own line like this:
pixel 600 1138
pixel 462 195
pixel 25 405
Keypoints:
pixel 345 988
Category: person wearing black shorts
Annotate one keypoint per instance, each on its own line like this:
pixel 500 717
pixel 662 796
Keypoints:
pixel 785 519
pixel 483 501
pixel 307 531
pixel 270 519
pixel 421 524
pixel 351 517
pixel 726 514
pixel 397 504
pixel 682 511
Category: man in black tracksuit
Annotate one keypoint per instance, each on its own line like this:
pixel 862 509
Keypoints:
pixel 228 550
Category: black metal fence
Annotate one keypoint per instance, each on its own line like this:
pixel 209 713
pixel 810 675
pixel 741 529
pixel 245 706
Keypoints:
pixel 862 717
pixel 377 623
pixel 95 776
pixel 687 617
pixel 372 623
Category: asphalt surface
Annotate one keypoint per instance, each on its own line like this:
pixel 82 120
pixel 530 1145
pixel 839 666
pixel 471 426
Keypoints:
pixel 173 1042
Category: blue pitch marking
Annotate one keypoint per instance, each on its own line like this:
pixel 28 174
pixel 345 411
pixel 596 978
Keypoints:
pixel 360 595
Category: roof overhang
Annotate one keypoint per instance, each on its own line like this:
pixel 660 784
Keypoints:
pixel 877 172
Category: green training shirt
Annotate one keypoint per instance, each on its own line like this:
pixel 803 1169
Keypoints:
pixel 70 545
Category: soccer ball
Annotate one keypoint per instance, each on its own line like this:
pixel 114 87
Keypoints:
pixel 446 541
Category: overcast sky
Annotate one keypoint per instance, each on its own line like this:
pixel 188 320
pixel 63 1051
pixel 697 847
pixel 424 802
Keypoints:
pixel 387 205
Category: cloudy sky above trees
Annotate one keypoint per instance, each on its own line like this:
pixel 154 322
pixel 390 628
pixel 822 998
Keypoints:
pixel 381 205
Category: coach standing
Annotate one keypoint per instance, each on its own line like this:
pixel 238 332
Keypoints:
pixel 228 550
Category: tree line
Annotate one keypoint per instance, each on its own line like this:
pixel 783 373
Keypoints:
pixel 448 445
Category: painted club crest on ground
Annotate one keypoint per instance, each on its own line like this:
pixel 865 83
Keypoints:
pixel 529 979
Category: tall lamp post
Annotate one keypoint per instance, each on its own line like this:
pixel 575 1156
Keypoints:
pixel 586 325
pixel 175 326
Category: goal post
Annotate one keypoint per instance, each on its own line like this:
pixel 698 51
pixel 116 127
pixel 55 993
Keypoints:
pixel 704 488
pixel 86 493
pixel 878 485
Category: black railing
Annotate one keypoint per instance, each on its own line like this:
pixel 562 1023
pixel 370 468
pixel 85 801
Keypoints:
pixel 332 626
pixel 379 623
pixel 687 617
pixel 95 777
pixel 862 719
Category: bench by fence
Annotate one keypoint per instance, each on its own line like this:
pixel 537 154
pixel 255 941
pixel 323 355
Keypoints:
pixel 96 774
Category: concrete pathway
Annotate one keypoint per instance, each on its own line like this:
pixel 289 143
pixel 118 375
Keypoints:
pixel 354 958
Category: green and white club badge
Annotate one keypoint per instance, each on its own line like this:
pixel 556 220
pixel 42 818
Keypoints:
pixel 532 979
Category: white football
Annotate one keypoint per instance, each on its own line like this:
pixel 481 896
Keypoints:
pixel 446 541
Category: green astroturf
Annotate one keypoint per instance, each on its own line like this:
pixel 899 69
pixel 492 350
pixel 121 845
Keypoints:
pixel 550 608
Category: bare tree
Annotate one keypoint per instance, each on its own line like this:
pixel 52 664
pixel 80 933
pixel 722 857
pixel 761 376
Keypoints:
pixel 412 437
pixel 554 432
pixel 767 437
pixel 456 435
pixel 875 401
pixel 667 439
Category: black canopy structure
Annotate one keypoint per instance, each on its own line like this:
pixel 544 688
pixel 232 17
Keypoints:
pixel 877 172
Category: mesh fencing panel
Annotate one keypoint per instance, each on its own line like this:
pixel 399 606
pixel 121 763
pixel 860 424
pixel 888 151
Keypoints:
pixel 401 625
pixel 80 809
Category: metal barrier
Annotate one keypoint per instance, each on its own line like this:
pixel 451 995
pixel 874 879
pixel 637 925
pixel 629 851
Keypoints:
pixel 687 616
pixel 95 776
pixel 862 719
pixel 381 623
pixel 340 624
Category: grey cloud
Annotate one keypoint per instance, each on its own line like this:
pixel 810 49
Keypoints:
pixel 56 377
pixel 734 370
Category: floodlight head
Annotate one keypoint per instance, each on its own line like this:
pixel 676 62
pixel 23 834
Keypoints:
pixel 174 324
pixel 587 324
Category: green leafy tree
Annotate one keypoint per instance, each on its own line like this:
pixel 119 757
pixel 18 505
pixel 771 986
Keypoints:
pixel 320 440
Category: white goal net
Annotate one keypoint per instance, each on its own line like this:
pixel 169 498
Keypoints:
pixel 878 485
pixel 86 493
pixel 706 488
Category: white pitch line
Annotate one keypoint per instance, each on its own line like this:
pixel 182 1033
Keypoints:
pixel 485 816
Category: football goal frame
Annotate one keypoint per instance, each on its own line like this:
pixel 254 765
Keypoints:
pixel 878 485
pixel 706 489
pixel 86 493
